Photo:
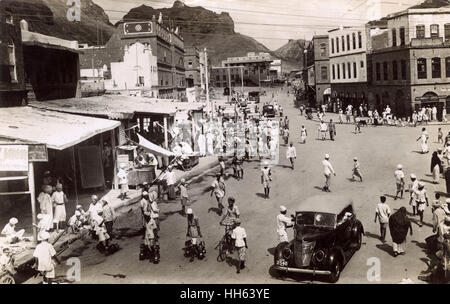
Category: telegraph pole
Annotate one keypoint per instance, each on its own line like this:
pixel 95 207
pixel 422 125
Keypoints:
pixel 242 80
pixel 207 84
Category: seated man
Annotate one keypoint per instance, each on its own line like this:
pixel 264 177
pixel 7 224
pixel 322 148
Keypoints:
pixel 9 231
pixel 77 222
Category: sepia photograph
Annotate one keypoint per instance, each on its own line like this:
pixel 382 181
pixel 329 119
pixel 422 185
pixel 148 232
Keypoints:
pixel 225 148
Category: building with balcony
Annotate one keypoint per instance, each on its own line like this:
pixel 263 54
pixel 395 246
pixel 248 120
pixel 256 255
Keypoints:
pixel 413 69
pixel 318 71
pixel 350 57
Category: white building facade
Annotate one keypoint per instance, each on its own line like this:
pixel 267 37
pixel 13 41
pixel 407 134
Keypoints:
pixel 138 70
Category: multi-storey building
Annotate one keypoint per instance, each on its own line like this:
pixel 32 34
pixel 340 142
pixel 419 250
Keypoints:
pixel 350 49
pixel 12 78
pixel 256 69
pixel 147 56
pixel 192 66
pixel 35 66
pixel 318 66
pixel 413 68
pixel 205 68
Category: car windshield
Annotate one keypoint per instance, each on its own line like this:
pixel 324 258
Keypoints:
pixel 317 219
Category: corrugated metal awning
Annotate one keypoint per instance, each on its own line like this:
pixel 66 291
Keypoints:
pixel 57 130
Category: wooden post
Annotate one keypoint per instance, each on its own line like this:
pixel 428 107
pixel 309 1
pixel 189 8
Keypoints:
pixel 33 199
pixel 74 165
pixel 166 139
pixel 114 151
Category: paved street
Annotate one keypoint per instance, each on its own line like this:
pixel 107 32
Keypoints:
pixel 379 150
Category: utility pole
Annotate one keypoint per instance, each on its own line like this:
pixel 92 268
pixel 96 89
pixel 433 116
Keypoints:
pixel 229 85
pixel 259 78
pixel 242 80
pixel 207 84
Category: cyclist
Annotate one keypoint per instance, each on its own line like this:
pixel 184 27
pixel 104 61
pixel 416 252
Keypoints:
pixel 193 232
pixel 229 218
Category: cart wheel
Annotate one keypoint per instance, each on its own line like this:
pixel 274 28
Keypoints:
pixel 7 279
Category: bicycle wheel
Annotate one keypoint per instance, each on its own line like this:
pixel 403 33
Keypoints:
pixel 222 252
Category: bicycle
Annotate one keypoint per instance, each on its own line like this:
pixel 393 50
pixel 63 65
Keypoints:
pixel 225 245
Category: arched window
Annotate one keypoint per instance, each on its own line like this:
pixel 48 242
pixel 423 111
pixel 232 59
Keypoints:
pixel 436 67
pixel 422 68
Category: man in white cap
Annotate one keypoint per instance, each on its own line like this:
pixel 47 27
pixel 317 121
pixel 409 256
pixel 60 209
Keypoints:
pixel 184 197
pixel 9 231
pixel 109 215
pixel 266 178
pixel 154 208
pixel 44 223
pixel 291 154
pixel 76 222
pixel 94 207
pixel 283 222
pixel 44 255
pixel 145 208
pixel 239 236
pixel 193 232
pixel 100 230
pixel 421 198
pixel 439 214
pixel 122 175
pixel 356 169
pixel 170 178
pixel 399 181
pixel 412 187
pixel 327 171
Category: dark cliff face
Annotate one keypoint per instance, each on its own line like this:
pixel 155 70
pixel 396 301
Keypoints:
pixel 432 4
pixel 49 17
pixel 292 53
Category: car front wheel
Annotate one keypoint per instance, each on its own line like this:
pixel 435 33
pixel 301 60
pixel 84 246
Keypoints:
pixel 335 272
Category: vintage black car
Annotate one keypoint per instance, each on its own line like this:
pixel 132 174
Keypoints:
pixel 254 96
pixel 268 111
pixel 326 235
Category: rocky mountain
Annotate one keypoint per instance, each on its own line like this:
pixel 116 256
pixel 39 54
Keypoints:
pixel 432 4
pixel 49 17
pixel 291 54
pixel 202 28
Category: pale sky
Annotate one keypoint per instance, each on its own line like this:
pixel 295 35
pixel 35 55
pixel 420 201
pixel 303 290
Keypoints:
pixel 273 22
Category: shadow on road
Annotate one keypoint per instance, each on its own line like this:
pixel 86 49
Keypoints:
pixel 214 209
pixel 372 235
pixel 261 195
pixel 389 195
pixel 386 248
pixel 426 181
